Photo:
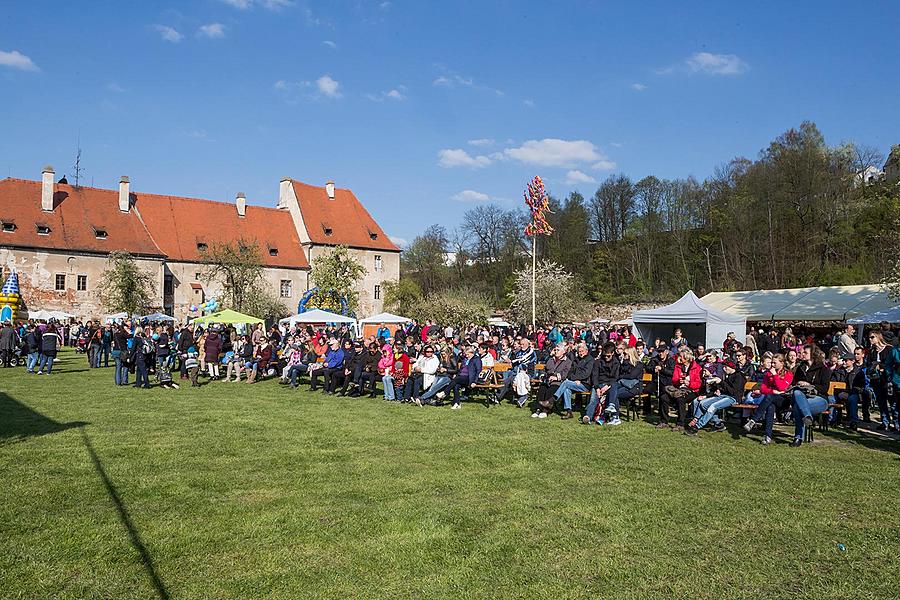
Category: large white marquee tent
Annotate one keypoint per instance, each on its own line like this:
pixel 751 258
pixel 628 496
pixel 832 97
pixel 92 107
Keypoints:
pixel 697 320
pixel 822 303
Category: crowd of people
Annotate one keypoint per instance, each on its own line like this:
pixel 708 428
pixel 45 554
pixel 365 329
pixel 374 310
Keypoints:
pixel 769 375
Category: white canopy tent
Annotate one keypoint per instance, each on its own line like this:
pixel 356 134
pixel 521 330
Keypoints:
pixel 599 321
pixel 40 315
pixel 698 321
pixel 61 314
pixel 498 322
pixel 891 315
pixel 119 316
pixel 823 303
pixel 316 315
pixel 385 317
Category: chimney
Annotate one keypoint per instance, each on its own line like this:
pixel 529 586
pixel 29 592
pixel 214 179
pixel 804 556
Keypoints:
pixel 329 189
pixel 124 194
pixel 241 202
pixel 47 189
pixel 284 190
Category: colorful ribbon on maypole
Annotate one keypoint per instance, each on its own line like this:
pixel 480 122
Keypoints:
pixel 538 203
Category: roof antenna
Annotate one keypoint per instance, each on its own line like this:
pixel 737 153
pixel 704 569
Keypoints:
pixel 77 166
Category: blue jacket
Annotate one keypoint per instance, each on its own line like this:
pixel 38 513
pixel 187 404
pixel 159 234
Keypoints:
pixel 334 358
pixel 474 365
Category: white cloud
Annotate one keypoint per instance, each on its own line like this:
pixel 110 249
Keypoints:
pixel 453 80
pixel 169 34
pixel 460 158
pixel 575 177
pixel 716 64
pixel 604 165
pixel 267 4
pixel 638 87
pixel 328 86
pixel 528 103
pixel 470 196
pixel 481 142
pixel 398 241
pixel 115 88
pixel 385 6
pixel 393 94
pixel 553 152
pixel 329 44
pixel 17 60
pixel 212 31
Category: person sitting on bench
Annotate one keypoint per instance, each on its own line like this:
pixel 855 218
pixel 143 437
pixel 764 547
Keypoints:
pixel 728 390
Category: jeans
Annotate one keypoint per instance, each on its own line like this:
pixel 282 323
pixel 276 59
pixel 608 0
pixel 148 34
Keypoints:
pixel 853 407
pixel 886 406
pixel 767 407
pixel 33 359
pixel 565 391
pixel 705 410
pixel 595 403
pixel 295 372
pixel 46 364
pixel 121 374
pixel 460 382
pixel 141 375
pixel 388 383
pixel 104 354
pixel 440 382
pixel 806 407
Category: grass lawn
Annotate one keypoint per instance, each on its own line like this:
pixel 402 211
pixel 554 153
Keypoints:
pixel 238 491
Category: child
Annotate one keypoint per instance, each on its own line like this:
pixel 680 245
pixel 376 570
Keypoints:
pixel 192 364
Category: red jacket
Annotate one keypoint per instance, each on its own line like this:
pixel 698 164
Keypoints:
pixel 693 373
pixel 774 384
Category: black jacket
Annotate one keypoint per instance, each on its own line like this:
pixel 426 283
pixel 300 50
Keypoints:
pixel 668 368
pixel 185 340
pixel 818 375
pixel 582 369
pixel 733 385
pixel 605 372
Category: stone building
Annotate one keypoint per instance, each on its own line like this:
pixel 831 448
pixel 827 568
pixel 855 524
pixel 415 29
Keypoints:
pixel 57 237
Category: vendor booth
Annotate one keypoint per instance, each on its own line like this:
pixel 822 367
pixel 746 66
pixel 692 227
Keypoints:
pixel 699 322
pixel 393 322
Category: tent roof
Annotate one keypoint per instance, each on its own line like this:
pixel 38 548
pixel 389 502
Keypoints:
pixel 227 317
pixel 687 309
pixel 384 317
pixel 891 315
pixel 823 303
pixel 318 315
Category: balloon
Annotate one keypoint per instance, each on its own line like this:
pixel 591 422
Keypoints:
pixel 193 308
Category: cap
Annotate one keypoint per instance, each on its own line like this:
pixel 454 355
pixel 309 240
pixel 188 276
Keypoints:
pixel 730 364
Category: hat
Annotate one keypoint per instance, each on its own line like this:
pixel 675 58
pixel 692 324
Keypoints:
pixel 730 364
pixel 848 357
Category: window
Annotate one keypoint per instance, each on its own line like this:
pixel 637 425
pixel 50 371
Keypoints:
pixel 168 285
pixel 273 251
pixel 372 235
pixel 43 229
pixel 197 276
pixel 8 226
pixel 327 229
pixel 201 246
pixel 378 292
pixel 378 265
pixel 60 282
pixel 100 234
pixel 287 288
pixel 81 283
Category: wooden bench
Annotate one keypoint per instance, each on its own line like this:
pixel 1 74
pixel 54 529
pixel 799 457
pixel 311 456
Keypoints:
pixel 635 401
pixel 491 378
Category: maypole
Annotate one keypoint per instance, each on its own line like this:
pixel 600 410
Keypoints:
pixel 539 204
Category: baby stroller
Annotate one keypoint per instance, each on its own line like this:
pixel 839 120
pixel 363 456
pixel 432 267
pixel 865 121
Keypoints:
pixel 81 344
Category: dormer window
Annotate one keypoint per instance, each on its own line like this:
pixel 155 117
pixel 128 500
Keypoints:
pixel 8 226
pixel 326 229
pixel 43 229
pixel 100 234
pixel 372 235
pixel 201 246
pixel 273 251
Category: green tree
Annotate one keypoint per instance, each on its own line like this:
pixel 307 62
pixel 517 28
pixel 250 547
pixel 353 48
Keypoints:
pixel 454 306
pixel 424 260
pixel 337 275
pixel 124 286
pixel 237 266
pixel 402 295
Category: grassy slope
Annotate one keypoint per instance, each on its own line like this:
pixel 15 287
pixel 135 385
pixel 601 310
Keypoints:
pixel 238 491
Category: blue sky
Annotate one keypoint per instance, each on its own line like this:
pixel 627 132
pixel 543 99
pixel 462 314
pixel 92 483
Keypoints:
pixel 425 109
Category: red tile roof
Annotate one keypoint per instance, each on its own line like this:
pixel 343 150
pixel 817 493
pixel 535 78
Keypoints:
pixel 179 224
pixel 77 214
pixel 348 222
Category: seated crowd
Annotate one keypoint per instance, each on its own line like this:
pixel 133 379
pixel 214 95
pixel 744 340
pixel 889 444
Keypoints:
pixel 767 377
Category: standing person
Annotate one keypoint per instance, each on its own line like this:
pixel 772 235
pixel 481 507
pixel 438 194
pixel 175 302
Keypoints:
pixel 120 355
pixel 211 348
pixel 138 358
pixel 50 342
pixel 846 343
pixel 258 334
pixel 185 341
pixel 32 347
pixel 105 345
pixel 161 340
pixel 95 342
pixel 9 343
pixel 881 374
pixel 774 386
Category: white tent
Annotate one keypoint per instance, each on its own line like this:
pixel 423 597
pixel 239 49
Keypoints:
pixel 61 314
pixel 316 315
pixel 40 315
pixel 698 321
pixel 386 318
pixel 498 322
pixel 599 321
pixel 823 303
pixel 891 315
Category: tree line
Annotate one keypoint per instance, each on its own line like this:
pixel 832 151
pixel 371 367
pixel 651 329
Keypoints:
pixel 800 214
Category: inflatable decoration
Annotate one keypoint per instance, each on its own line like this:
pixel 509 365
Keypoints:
pixel 345 307
pixel 11 304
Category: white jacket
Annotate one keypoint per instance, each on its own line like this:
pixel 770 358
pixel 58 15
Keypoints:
pixel 428 367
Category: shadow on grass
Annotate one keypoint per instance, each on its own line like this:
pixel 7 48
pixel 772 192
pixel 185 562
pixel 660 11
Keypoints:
pixel 133 535
pixel 19 422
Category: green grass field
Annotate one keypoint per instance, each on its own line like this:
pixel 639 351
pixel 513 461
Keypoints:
pixel 239 491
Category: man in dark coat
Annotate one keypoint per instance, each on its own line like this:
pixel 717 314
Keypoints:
pixel 9 343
